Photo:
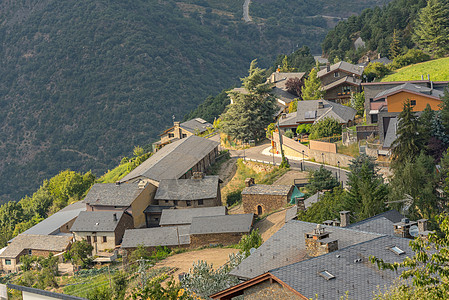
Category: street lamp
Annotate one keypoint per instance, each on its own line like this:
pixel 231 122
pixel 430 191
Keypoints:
pixel 322 156
pixel 338 164
pixel 302 165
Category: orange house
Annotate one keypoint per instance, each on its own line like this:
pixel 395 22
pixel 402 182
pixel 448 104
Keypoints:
pixel 393 99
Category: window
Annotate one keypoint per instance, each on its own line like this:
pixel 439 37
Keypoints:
pixel 184 135
pixel 336 74
pixel 166 201
pixel 175 202
pixel 88 239
pixel 326 275
pixel 95 239
pixel 105 239
pixel 259 210
pixel 396 250
pixel 412 102
pixel 200 202
pixel 171 135
pixel 346 89
pixel 30 252
pixel 7 262
pixel 188 203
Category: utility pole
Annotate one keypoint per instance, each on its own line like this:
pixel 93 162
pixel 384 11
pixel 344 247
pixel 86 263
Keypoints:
pixel 280 141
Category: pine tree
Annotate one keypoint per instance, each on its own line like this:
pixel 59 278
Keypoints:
pixel 286 65
pixel 409 141
pixel 432 27
pixel 445 111
pixel 395 46
pixel 255 81
pixel 312 87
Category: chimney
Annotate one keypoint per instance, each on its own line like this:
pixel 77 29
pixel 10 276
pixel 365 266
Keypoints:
pixel 353 77
pixel 177 124
pixel 319 243
pixel 422 225
pixel 114 216
pixel 249 182
pixel 328 223
pixel 344 218
pixel 320 104
pixel 142 184
pixel 198 175
pixel 278 69
pixel 328 66
pixel 402 228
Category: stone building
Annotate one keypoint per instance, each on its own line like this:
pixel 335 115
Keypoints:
pixel 179 217
pixel 219 230
pixel 133 198
pixel 102 229
pixel 32 244
pixel 182 130
pixel 260 199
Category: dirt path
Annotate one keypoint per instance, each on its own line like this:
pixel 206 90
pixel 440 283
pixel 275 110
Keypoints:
pixel 184 261
pixel 227 171
pixel 289 177
pixel 271 224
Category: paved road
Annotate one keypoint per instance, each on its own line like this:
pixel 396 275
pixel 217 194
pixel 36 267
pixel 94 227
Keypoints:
pixel 255 153
pixel 246 16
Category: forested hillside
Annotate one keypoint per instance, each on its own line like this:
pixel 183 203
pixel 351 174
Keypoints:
pixel 83 82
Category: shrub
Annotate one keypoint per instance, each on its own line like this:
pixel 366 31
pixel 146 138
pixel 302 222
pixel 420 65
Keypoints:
pixel 233 197
pixel 375 70
pixel 325 128
pixel 248 241
pixel 412 56
pixel 289 133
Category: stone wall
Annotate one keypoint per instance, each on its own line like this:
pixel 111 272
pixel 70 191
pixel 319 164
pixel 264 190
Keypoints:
pixel 268 203
pixel 225 239
pixel 270 291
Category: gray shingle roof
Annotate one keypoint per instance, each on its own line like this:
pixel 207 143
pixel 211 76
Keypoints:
pixel 280 78
pixel 282 95
pixel 185 216
pixel 381 223
pixel 158 236
pixel 346 79
pixel 111 194
pixel 36 242
pixel 339 112
pixel 188 189
pixel 222 224
pixel 412 88
pixel 391 136
pixel 287 246
pixel 264 189
pixel 361 279
pixel 173 160
pixel 52 224
pixel 291 213
pixel 342 66
pixel 196 124
pixel 51 295
pixel 99 221
pixel 312 199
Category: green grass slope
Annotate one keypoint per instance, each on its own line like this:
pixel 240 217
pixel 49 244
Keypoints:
pixel 438 70
pixel 83 82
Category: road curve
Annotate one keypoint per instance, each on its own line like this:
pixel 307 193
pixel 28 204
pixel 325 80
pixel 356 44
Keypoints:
pixel 246 16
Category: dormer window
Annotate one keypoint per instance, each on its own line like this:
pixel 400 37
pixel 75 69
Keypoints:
pixel 326 275
pixel 396 250
pixel 336 74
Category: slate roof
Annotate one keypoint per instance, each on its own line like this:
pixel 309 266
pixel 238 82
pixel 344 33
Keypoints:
pixel 188 189
pixel 185 216
pixel 52 224
pixel 283 95
pixel 346 79
pixel 157 236
pixel 341 66
pixel 36 242
pixel 411 88
pixel 50 295
pixel 287 246
pixel 390 136
pixel 291 213
pixel 173 160
pixel 381 223
pixel 157 208
pixel 111 194
pixel 337 111
pixel 312 199
pixel 360 278
pixel 99 221
pixel 196 125
pixel 222 224
pixel 280 78
pixel 265 189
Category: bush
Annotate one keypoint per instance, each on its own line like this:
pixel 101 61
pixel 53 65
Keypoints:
pixel 325 128
pixel 289 133
pixel 248 241
pixel 303 128
pixel 375 70
pixel 233 198
pixel 412 56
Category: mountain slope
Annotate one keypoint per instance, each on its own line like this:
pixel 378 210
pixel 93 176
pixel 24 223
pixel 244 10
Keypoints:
pixel 83 82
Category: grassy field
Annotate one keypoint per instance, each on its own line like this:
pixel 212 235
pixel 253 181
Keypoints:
pixel 115 174
pixel 438 70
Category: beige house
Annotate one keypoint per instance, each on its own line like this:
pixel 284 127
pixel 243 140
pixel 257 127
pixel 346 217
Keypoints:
pixel 30 244
pixel 102 229
pixel 179 130
pixel 130 197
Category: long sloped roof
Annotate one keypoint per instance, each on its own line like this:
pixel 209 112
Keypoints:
pixel 196 124
pixel 346 79
pixel 345 66
pixel 111 194
pixel 158 236
pixel 351 268
pixel 185 216
pixel 21 242
pixel 381 223
pixel 188 189
pixel 173 160
pixel 411 88
pixel 265 189
pixel 222 224
pixel 98 221
pixel 287 246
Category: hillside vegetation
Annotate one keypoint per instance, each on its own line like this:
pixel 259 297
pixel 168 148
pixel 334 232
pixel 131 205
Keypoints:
pixel 438 70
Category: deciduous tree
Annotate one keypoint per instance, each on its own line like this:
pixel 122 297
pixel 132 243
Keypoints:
pixel 312 87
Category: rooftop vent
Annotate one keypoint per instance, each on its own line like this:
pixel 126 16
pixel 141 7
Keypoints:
pixel 96 224
pixel 326 275
pixel 396 250
pixel 201 120
pixel 311 114
pixel 320 104
pixel 114 217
